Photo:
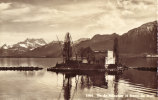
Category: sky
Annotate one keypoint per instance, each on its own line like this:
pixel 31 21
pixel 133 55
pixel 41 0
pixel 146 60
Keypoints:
pixel 47 19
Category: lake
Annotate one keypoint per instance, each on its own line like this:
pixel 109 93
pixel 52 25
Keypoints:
pixel 44 85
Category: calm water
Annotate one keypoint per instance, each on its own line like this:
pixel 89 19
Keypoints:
pixel 43 85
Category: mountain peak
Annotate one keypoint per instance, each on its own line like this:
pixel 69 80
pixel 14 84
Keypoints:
pixel 140 40
pixel 149 26
pixel 33 40
pixel 31 43
pixel 105 36
pixel 150 23
pixel 81 40
pixel 28 44
pixel 146 28
pixel 5 46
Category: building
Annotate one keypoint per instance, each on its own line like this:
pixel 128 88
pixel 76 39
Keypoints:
pixel 103 58
pixel 109 59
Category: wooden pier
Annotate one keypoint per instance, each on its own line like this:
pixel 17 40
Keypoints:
pixel 20 68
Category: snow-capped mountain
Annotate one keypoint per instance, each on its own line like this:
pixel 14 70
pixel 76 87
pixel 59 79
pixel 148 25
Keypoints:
pixel 140 40
pixel 30 44
pixel 5 46
pixel 21 47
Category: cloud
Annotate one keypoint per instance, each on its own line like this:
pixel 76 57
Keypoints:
pixel 14 11
pixel 4 6
pixel 137 9
pixel 84 17
pixel 32 19
pixel 135 4
pixel 146 2
pixel 53 25
pixel 107 24
pixel 28 13
pixel 40 15
pixel 124 16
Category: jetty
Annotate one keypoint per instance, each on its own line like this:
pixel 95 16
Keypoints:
pixel 31 68
pixel 153 69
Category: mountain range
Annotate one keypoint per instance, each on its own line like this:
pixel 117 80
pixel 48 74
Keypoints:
pixel 137 41
pixel 21 47
pixel 140 40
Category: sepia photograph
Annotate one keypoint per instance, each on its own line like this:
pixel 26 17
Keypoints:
pixel 78 50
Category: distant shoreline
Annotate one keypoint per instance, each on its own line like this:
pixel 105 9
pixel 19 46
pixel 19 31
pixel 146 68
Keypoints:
pixel 121 56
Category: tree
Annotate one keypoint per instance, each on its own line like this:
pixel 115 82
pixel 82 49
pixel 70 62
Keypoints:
pixel 115 50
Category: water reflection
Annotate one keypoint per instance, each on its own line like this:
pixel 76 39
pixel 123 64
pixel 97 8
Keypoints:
pixel 139 62
pixel 86 81
pixel 50 62
pixel 33 73
pixel 145 78
pixel 67 84
pixel 43 85
pixel 106 83
pixel 36 62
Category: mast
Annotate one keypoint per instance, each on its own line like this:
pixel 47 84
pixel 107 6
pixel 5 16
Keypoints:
pixel 60 46
pixel 67 50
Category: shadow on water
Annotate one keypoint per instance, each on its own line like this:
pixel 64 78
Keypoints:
pixel 145 78
pixel 139 62
pixel 40 62
pixel 109 81
pixel 86 80
pixel 76 85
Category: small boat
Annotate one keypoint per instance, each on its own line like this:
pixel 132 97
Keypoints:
pixel 116 68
